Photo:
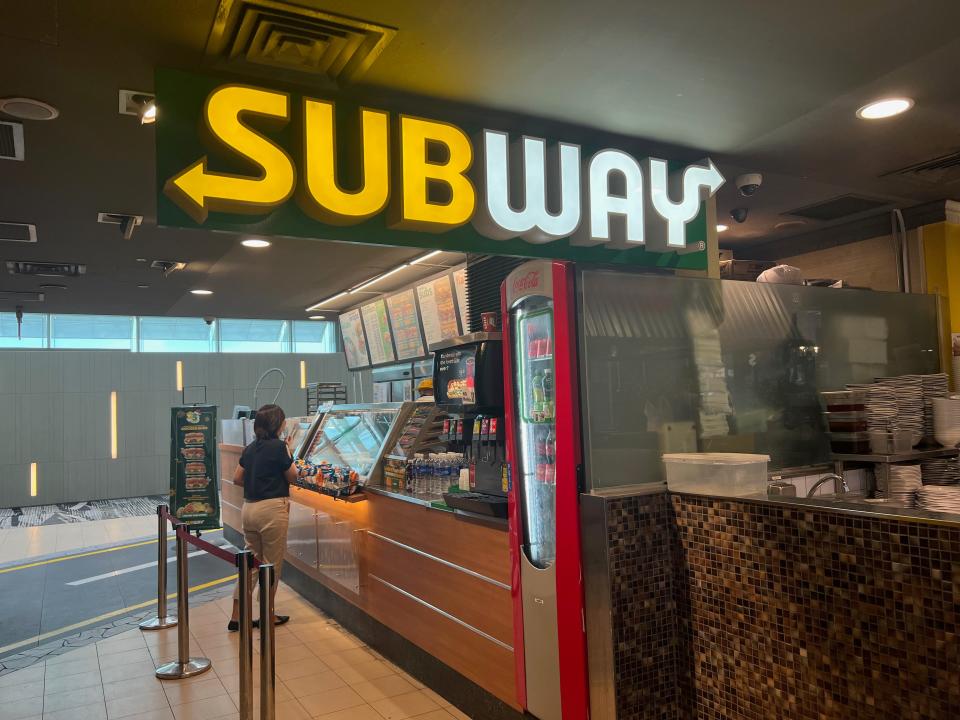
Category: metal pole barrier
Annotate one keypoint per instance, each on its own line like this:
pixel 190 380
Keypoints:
pixel 244 566
pixel 267 677
pixel 184 666
pixel 162 620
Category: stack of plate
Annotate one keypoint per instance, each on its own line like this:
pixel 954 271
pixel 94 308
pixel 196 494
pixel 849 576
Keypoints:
pixel 939 498
pixel 908 392
pixel 881 407
pixel 903 484
pixel 934 386
pixel 946 420
pixel 940 471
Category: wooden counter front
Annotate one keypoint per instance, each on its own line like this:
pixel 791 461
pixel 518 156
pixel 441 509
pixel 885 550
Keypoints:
pixel 440 580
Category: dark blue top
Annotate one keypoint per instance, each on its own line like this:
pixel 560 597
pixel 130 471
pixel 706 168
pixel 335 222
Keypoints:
pixel 264 463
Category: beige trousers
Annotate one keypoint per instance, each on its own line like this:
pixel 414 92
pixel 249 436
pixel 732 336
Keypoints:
pixel 265 525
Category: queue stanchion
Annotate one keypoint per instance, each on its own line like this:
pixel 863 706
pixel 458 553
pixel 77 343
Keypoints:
pixel 267 665
pixel 162 620
pixel 184 666
pixel 245 565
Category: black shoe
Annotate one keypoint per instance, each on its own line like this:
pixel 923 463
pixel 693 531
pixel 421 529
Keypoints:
pixel 278 620
pixel 233 626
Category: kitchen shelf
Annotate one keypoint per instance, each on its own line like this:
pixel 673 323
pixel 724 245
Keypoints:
pixel 898 457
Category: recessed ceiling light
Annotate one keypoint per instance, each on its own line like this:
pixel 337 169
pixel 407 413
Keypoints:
pixel 789 223
pixel 200 291
pixel 255 243
pixel 143 286
pixel 317 317
pixel 53 286
pixel 28 109
pixel 887 107
pixel 722 228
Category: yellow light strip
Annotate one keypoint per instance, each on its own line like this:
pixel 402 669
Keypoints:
pixel 303 374
pixel 317 306
pixel 179 375
pixel 113 424
pixel 33 479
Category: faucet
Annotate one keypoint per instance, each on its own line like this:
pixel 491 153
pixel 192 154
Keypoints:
pixel 839 485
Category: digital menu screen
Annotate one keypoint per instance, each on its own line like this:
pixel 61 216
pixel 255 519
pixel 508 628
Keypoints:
pixel 354 342
pixel 456 376
pixel 437 310
pixel 406 325
pixel 379 338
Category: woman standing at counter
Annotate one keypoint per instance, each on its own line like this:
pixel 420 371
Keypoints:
pixel 265 471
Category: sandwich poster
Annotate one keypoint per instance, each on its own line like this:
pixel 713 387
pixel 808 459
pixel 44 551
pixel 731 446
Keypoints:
pixel 194 493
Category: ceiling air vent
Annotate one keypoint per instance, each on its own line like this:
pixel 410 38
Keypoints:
pixel 282 35
pixel 936 171
pixel 839 207
pixel 11 141
pixel 45 269
pixel 20 296
pixel 17 232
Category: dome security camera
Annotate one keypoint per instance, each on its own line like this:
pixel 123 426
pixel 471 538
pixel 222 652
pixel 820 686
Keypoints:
pixel 209 320
pixel 739 214
pixel 749 184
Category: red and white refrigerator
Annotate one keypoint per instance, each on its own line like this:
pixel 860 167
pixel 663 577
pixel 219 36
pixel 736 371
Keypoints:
pixel 545 459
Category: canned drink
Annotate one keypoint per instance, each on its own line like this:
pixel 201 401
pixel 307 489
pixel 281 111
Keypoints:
pixel 490 321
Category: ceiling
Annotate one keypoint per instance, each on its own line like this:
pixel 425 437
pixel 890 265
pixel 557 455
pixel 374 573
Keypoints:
pixel 768 87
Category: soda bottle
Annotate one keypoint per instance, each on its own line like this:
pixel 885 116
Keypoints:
pixel 547 407
pixel 536 391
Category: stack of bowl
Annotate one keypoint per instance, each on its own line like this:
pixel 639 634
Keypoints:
pixel 946 420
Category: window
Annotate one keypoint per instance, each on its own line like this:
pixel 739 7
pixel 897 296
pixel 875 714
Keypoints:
pixel 263 336
pixel 172 334
pixel 98 332
pixel 33 332
pixel 314 336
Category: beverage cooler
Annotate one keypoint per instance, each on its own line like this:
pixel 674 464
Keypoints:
pixel 544 454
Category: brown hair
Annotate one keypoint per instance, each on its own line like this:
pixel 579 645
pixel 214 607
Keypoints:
pixel 267 423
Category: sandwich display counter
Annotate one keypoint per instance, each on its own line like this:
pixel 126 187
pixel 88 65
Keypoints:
pixel 426 584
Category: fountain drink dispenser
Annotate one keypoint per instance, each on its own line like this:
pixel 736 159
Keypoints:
pixel 468 385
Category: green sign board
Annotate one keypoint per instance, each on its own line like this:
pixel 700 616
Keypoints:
pixel 194 490
pixel 258 160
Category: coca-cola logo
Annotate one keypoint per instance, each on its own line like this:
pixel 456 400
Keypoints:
pixel 527 282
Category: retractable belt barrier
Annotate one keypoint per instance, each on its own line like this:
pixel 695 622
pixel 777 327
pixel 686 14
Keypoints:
pixel 186 666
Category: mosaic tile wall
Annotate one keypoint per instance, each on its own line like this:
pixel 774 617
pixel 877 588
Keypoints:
pixel 782 612
pixel 643 605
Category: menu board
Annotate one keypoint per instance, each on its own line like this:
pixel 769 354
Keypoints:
pixel 194 495
pixel 379 339
pixel 437 310
pixel 406 325
pixel 354 343
pixel 460 285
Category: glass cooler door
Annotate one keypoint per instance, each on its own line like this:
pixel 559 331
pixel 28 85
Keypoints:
pixel 536 427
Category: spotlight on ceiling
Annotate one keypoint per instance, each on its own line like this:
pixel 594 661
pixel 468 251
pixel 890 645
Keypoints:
pixel 200 291
pixel 255 243
pixel 317 317
pixel 722 228
pixel 141 104
pixel 887 107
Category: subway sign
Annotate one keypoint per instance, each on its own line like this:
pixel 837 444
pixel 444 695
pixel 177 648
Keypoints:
pixel 239 157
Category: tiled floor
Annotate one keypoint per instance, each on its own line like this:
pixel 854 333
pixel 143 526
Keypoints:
pixel 322 672
pixel 18 544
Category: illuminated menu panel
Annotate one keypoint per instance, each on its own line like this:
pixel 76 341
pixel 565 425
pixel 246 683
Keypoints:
pixel 460 285
pixel 354 342
pixel 406 325
pixel 379 338
pixel 437 310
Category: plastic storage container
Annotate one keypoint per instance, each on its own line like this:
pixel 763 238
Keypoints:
pixel 850 443
pixel 845 400
pixel 846 421
pixel 722 474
